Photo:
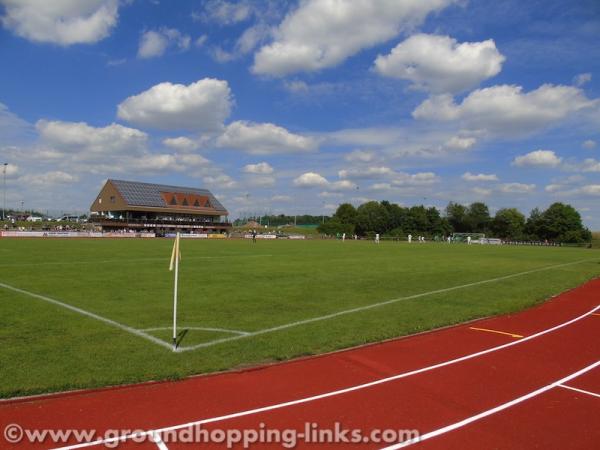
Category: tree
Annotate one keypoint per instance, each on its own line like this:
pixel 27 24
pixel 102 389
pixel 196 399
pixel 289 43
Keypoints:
pixel 456 215
pixel 346 213
pixel 508 223
pixel 371 217
pixel 334 226
pixel 478 217
pixel 533 227
pixel 562 223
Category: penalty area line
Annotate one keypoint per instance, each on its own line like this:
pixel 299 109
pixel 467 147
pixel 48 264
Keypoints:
pixel 376 305
pixel 91 315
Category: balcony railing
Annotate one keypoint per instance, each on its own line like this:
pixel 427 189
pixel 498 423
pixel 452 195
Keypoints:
pixel 153 223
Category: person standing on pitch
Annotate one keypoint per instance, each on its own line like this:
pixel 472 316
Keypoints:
pixel 468 240
pixel 254 236
pixel 377 238
pixel 343 237
pixel 409 238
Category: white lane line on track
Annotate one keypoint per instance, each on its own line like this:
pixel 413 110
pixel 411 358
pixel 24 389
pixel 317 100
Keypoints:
pixel 92 315
pixel 331 393
pixel 374 305
pixel 593 394
pixel 159 442
pixel 489 412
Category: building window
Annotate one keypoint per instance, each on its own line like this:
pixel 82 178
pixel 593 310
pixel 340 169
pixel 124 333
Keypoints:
pixel 197 204
pixel 185 202
pixel 113 199
pixel 173 201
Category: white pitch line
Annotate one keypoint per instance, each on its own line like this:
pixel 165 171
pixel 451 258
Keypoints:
pixel 220 330
pixel 331 393
pixel 373 305
pixel 491 411
pixel 91 315
pixel 593 394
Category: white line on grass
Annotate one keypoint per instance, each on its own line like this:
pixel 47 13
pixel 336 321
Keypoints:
pixel 91 315
pixel 489 412
pixel 332 393
pixel 113 261
pixel 374 305
pixel 183 327
pixel 593 394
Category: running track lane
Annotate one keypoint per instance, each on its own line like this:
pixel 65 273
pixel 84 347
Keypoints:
pixel 425 401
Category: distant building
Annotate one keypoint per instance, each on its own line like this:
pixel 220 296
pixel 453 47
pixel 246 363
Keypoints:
pixel 131 205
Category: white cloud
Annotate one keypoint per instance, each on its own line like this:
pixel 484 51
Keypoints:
pixel 380 187
pixel 281 198
pixel 554 188
pixel 591 165
pixel 482 192
pixel 582 78
pixel 460 143
pixel 155 43
pixel 157 163
pixel 327 194
pixel 201 40
pixel 12 127
pixel 591 189
pixel 505 109
pixel 323 33
pixel 192 161
pixel 63 22
pixel 589 144
pixel 439 64
pixel 181 143
pixel 49 178
pixel 264 139
pixel 220 181
pixel 363 156
pixel 517 188
pixel 310 179
pixel 262 168
pixel 226 13
pixel 85 141
pixel 260 181
pixel 342 185
pixel 368 172
pixel 538 158
pixel 202 105
pixel 417 179
pixel 468 176
pixel 10 170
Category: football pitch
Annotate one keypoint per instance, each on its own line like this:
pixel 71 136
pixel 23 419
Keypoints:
pixel 89 313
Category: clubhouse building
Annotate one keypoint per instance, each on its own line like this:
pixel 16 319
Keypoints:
pixel 146 207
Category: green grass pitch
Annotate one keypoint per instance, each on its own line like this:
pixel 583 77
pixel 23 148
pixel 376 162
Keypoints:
pixel 243 287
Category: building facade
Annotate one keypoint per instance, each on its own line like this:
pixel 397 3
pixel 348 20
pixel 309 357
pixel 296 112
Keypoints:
pixel 146 207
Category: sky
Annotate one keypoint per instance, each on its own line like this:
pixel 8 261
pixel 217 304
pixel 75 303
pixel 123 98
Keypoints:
pixel 295 107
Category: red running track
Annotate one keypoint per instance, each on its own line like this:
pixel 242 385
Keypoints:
pixel 458 387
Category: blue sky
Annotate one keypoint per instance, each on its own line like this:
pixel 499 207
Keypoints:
pixel 295 107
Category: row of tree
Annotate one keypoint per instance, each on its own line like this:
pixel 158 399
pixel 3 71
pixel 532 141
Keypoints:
pixel 559 223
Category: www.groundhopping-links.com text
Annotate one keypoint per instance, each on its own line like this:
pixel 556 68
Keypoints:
pixel 289 438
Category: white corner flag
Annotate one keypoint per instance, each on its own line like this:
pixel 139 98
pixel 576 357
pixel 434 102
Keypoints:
pixel 175 257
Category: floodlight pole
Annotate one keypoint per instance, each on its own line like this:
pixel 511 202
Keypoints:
pixel 4 166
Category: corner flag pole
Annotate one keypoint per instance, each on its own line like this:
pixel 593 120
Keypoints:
pixel 175 257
